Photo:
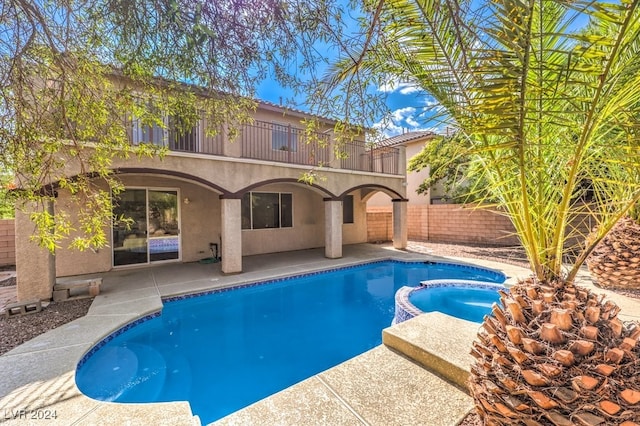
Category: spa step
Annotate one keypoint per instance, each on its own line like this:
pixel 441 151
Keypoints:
pixel 438 342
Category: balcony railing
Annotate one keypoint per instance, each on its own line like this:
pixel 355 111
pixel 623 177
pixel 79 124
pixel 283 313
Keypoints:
pixel 197 141
pixel 358 156
pixel 263 140
pixel 284 143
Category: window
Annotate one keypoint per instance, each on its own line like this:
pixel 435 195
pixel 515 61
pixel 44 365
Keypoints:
pixel 148 131
pixel 284 138
pixel 347 209
pixel 266 210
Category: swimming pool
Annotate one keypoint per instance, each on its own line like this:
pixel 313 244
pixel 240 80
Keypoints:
pixel 225 350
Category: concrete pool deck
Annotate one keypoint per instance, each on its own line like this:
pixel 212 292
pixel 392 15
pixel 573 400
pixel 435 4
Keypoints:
pixel 379 387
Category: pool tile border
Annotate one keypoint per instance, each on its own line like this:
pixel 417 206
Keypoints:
pixel 95 348
pixel 322 271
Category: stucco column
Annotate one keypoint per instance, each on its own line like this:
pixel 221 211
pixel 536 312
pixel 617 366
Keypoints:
pixel 334 161
pixel 400 223
pixel 230 148
pixel 231 234
pixel 332 228
pixel 402 161
pixel 35 266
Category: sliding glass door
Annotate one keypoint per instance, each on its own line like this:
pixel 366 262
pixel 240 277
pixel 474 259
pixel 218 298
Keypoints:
pixel 146 226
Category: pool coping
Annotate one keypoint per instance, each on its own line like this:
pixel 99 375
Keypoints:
pixel 40 373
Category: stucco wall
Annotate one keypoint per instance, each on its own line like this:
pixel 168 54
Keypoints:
pixel 201 222
pixel 413 179
pixel 356 232
pixel 307 230
pixel 7 242
pixel 308 224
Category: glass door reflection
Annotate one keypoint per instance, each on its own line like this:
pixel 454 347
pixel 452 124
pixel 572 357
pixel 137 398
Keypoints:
pixel 164 240
pixel 130 234
pixel 149 230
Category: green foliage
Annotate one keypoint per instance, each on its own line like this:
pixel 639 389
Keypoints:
pixel 546 102
pixel 449 161
pixel 7 197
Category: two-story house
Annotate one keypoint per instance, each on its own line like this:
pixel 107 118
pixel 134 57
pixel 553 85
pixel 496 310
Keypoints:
pixel 210 196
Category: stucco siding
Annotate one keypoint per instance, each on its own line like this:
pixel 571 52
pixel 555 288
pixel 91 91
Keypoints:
pixel 307 230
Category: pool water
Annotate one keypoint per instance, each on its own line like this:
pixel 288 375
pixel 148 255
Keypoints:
pixel 470 303
pixel 225 350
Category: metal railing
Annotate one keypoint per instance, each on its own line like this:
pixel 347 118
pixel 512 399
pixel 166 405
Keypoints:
pixel 262 140
pixel 359 156
pixel 282 143
pixel 197 141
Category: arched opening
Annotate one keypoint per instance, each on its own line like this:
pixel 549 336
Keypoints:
pixel 159 217
pixel 279 216
pixel 379 204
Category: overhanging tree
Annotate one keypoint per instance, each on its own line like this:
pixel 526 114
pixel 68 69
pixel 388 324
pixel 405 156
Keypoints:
pixel 74 74
pixel 547 94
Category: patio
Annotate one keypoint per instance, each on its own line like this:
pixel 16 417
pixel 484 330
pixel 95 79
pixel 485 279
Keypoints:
pixel 380 386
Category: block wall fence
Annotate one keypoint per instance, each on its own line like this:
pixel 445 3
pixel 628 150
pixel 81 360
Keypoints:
pixel 7 242
pixel 451 223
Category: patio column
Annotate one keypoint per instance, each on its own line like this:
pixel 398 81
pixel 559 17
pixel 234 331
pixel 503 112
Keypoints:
pixel 332 228
pixel 400 223
pixel 231 235
pixel 35 266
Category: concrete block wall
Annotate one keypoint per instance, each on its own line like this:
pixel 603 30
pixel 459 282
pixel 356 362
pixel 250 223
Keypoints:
pixel 379 226
pixel 418 222
pixel 457 223
pixel 451 223
pixel 7 242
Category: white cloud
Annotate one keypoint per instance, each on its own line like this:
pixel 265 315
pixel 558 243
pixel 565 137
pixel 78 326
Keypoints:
pixel 408 88
pixel 430 102
pixel 411 122
pixel 402 113
pixel 408 119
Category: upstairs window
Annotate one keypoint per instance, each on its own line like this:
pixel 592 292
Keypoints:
pixel 267 210
pixel 284 137
pixel 150 133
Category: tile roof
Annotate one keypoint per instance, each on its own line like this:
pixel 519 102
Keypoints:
pixel 405 137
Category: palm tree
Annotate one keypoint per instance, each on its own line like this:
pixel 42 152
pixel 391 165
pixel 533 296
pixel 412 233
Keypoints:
pixel 547 92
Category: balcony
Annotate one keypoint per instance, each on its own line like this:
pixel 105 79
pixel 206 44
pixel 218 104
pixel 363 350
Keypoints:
pixel 262 140
pixel 285 144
